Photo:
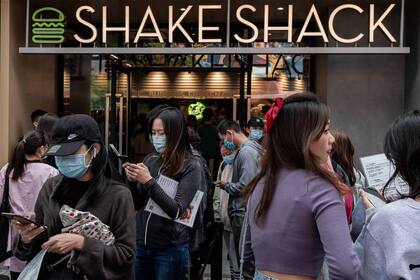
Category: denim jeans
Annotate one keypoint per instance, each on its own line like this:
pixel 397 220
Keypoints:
pixel 259 276
pixel 170 263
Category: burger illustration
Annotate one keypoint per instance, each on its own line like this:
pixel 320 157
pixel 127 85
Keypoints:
pixel 48 26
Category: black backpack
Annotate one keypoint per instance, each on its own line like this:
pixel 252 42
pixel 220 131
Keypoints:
pixel 197 232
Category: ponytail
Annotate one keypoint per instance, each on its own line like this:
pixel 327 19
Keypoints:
pixel 27 146
pixel 18 161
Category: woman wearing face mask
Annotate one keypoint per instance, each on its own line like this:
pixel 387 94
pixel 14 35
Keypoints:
pixel 296 211
pixel 162 244
pixel 26 175
pixel 255 129
pixel 84 185
pixel 388 246
pixel 220 206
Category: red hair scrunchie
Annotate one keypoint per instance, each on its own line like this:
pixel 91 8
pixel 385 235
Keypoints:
pixel 271 115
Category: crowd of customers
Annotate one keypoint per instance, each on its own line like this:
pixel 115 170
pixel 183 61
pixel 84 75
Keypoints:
pixel 283 193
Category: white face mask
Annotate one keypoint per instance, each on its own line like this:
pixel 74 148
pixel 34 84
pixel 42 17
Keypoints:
pixel 74 166
pixel 159 142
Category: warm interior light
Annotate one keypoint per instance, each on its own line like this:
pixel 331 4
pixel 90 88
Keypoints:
pixel 182 9
pixel 280 8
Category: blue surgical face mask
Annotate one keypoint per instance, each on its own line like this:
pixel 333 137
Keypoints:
pixel 256 134
pixel 73 166
pixel 229 144
pixel 159 142
pixel 229 159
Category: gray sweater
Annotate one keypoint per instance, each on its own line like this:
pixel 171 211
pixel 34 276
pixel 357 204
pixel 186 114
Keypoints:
pixel 389 245
pixel 245 168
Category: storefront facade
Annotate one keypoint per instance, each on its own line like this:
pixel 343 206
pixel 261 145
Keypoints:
pixel 360 58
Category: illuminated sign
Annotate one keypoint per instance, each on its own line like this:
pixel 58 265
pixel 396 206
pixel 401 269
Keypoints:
pixel 50 30
pixel 48 26
pixel 197 110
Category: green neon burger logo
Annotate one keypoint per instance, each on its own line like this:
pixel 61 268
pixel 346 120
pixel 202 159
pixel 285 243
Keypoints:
pixel 197 110
pixel 48 26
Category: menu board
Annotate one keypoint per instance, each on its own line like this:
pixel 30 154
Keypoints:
pixel 378 170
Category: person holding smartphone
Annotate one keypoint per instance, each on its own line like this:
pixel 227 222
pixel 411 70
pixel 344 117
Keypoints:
pixel 163 244
pixel 26 175
pixel 84 184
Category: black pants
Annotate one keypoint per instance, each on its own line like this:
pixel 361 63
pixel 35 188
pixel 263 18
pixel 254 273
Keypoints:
pixel 14 275
pixel 236 222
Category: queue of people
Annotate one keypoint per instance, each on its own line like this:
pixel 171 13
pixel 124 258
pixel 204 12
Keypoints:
pixel 288 196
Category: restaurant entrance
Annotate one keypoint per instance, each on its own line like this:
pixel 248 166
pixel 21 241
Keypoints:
pixel 228 85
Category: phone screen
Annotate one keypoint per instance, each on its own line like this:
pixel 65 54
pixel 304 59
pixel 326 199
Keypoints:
pixel 21 219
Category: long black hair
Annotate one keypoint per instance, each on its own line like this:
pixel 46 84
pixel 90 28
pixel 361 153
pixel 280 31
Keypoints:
pixel 26 146
pixel 46 124
pixel 402 148
pixel 301 121
pixel 177 148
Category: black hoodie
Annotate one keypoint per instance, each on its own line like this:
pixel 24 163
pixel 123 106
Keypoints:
pixel 113 205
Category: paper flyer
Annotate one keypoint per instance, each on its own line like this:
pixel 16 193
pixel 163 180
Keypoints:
pixel 378 169
pixel 170 187
pixel 195 204
pixel 33 268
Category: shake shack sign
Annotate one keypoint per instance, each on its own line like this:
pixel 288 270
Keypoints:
pixel 49 25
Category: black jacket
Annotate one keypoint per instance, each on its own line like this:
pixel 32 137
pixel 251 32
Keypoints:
pixel 113 205
pixel 154 231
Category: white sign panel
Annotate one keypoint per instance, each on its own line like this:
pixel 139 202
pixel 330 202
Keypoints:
pixel 378 169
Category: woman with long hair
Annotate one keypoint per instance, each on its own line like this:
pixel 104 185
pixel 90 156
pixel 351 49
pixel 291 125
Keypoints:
pixel 389 245
pixel 162 243
pixel 343 155
pixel 85 221
pixel 296 210
pixel 26 175
pixel 45 125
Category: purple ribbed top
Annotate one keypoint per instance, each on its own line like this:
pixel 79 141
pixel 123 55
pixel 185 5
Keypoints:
pixel 305 222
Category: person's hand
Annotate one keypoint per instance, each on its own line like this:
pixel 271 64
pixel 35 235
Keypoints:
pixel 137 172
pixel 188 213
pixel 366 201
pixel 64 243
pixel 129 178
pixel 27 232
pixel 221 185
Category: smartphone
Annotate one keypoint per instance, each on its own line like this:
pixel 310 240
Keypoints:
pixel 123 158
pixel 21 219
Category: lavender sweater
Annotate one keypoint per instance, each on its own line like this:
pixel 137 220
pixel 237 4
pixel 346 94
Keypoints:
pixel 305 222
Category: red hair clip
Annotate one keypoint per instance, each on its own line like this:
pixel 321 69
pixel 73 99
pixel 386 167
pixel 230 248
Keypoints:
pixel 271 115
